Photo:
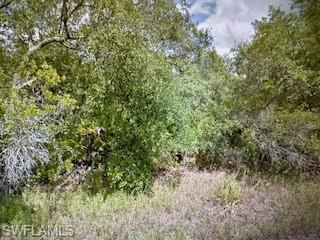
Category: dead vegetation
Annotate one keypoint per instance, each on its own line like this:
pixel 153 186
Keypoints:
pixel 191 205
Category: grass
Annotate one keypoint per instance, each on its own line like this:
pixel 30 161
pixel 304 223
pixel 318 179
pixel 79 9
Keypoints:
pixel 184 205
pixel 229 191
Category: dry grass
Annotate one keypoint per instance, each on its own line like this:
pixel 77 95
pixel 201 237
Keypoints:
pixel 198 205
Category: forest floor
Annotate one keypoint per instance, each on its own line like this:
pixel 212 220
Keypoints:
pixel 189 204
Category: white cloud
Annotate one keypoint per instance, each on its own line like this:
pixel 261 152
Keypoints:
pixel 201 7
pixel 231 21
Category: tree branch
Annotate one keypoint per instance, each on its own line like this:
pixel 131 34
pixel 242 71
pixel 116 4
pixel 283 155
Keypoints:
pixel 76 8
pixel 45 42
pixel 28 83
pixel 5 3
pixel 66 15
pixel 64 18
pixel 64 31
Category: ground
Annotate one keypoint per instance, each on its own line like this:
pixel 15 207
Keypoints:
pixel 190 204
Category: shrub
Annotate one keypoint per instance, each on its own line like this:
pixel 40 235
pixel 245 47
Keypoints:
pixel 26 148
pixel 229 190
pixel 130 167
pixel 289 141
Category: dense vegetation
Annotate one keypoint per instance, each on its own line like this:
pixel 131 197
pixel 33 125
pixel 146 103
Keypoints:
pixel 119 89
pixel 108 97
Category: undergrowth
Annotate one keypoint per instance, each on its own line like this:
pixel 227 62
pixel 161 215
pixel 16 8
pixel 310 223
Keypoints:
pixel 198 205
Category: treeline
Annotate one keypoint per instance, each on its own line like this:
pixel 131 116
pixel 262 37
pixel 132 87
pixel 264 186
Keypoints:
pixel 115 88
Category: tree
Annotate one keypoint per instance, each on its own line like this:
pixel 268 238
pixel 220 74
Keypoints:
pixel 278 85
pixel 97 65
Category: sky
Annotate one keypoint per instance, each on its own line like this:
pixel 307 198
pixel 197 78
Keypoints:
pixel 230 21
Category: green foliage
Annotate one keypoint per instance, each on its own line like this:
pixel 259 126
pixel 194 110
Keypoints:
pixel 277 89
pixel 103 63
pixel 31 119
pixel 276 65
pixel 109 91
pixel 10 208
pixel 292 140
pixel 129 167
pixel 17 210
pixel 229 191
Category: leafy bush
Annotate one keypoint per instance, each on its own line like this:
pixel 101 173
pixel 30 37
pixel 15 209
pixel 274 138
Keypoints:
pixel 30 124
pixel 129 168
pixel 32 208
pixel 290 141
pixel 14 208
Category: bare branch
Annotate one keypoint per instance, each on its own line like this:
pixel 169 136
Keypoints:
pixel 28 83
pixel 26 147
pixel 5 3
pixel 68 46
pixel 64 18
pixel 43 43
pixel 66 15
pixel 81 3
pixel 63 28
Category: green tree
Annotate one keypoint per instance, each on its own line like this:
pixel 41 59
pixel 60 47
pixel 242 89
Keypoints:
pixel 115 66
pixel 278 79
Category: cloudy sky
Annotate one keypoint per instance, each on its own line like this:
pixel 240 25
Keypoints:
pixel 230 20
